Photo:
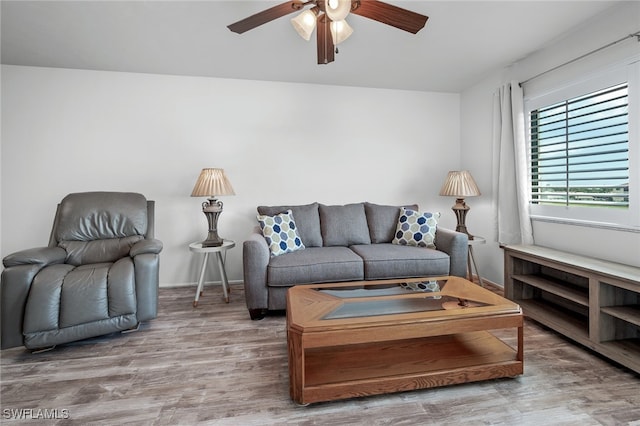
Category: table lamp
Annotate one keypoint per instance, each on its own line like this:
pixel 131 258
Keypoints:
pixel 460 184
pixel 212 183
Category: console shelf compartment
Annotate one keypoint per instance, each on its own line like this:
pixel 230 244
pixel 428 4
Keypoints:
pixel 566 291
pixel 557 318
pixel 630 314
pixel 594 302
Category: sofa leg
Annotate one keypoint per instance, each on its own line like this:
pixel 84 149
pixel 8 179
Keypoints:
pixel 257 314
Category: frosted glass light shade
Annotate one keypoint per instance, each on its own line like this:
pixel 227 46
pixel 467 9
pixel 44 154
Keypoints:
pixel 340 31
pixel 211 183
pixel 305 23
pixel 337 10
pixel 459 184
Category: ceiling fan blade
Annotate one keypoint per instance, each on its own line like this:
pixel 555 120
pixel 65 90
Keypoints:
pixel 391 15
pixel 326 48
pixel 265 16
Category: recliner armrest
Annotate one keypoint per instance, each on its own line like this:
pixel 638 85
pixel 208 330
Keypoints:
pixel 36 256
pixel 151 245
pixel 20 269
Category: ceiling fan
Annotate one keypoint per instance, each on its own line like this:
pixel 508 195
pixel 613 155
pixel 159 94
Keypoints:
pixel 329 18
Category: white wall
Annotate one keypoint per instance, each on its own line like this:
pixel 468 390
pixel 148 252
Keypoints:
pixel 73 130
pixel 476 156
pixel 476 141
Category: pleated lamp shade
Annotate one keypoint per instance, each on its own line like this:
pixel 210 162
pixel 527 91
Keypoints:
pixel 459 184
pixel 211 183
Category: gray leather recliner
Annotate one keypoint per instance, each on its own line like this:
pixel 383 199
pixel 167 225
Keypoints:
pixel 99 274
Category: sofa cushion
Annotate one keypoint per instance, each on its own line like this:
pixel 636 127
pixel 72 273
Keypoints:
pixel 315 265
pixel 416 229
pixel 307 221
pixel 382 221
pixel 280 232
pixel 344 225
pixel 382 261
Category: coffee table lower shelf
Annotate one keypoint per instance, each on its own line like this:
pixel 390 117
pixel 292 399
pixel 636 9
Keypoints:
pixel 348 371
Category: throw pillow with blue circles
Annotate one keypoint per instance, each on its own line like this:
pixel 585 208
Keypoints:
pixel 430 286
pixel 416 229
pixel 281 233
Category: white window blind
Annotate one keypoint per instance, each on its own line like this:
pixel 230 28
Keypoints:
pixel 584 146
pixel 580 150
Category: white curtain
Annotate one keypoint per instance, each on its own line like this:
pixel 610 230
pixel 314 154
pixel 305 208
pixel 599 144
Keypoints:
pixel 511 187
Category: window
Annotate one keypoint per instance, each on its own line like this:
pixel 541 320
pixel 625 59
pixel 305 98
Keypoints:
pixel 580 150
pixel 585 149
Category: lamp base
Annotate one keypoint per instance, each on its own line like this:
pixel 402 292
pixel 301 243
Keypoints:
pixel 463 229
pixel 212 209
pixel 213 240
pixel 461 210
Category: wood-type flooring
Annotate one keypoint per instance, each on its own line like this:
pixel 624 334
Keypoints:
pixel 213 365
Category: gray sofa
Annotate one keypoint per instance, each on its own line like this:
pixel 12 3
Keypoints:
pixel 98 275
pixel 351 242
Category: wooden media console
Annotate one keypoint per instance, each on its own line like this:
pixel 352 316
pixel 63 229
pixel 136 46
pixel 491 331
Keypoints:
pixel 594 302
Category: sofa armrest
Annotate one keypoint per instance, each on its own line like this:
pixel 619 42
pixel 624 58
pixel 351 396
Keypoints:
pixel 456 245
pixel 255 260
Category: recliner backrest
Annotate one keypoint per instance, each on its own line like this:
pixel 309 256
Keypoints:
pixel 96 227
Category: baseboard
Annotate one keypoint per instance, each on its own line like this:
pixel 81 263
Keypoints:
pixel 487 282
pixel 206 284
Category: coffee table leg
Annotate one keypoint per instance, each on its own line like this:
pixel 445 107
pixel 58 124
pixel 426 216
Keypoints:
pixel 520 344
pixel 296 366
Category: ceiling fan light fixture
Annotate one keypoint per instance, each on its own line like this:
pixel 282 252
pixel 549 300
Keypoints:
pixel 340 31
pixel 305 23
pixel 337 10
pixel 324 12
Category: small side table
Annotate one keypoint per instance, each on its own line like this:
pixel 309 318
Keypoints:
pixel 471 259
pixel 197 248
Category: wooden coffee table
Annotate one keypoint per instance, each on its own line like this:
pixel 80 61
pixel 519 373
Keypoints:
pixel 362 338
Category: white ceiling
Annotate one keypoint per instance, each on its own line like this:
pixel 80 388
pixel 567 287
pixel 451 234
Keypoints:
pixel 462 42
